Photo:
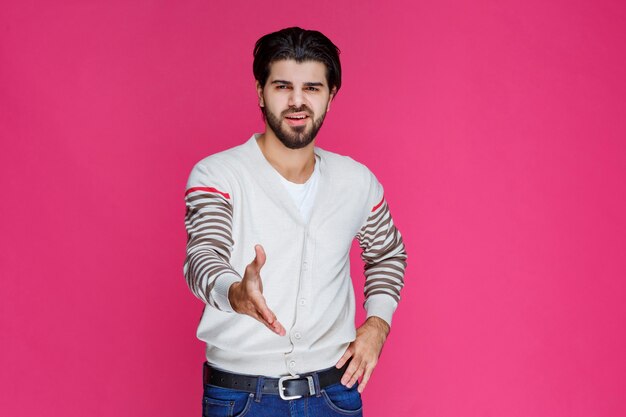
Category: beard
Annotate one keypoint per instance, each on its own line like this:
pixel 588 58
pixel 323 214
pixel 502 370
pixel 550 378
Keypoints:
pixel 293 137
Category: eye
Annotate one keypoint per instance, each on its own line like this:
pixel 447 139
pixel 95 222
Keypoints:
pixel 312 88
pixel 282 87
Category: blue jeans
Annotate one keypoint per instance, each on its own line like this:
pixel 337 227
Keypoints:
pixel 332 401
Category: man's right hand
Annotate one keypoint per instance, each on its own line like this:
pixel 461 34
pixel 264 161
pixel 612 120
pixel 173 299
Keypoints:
pixel 246 297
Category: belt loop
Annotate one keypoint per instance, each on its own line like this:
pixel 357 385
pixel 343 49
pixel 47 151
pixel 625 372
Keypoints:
pixel 259 388
pixel 316 382
pixel 205 373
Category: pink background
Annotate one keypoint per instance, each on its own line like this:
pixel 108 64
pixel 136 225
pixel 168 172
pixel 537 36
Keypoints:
pixel 498 130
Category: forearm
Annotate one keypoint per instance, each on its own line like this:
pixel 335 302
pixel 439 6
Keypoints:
pixel 208 221
pixel 209 278
pixel 384 255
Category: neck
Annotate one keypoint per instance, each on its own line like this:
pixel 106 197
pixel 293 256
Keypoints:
pixel 295 165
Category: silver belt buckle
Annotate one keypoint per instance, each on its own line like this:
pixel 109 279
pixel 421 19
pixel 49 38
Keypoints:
pixel 281 388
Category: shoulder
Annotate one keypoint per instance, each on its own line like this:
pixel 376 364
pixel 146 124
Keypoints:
pixel 345 165
pixel 227 159
pixel 355 175
pixel 220 168
pixel 352 177
pixel 349 173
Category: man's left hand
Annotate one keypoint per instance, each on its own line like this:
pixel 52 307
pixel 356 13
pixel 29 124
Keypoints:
pixel 364 351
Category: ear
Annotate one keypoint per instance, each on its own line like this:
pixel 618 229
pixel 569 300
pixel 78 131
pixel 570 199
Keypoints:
pixel 333 91
pixel 259 92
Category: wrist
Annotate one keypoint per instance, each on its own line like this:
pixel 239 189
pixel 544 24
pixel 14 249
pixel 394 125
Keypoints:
pixel 233 296
pixel 381 325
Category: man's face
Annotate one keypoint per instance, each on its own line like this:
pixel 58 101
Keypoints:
pixel 295 100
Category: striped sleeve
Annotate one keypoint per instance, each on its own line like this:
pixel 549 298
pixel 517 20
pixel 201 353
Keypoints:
pixel 208 221
pixel 385 261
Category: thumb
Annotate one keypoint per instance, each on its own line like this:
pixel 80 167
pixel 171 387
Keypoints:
pixel 259 259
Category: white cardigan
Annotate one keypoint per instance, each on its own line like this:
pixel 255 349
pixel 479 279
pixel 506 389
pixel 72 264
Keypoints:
pixel 234 201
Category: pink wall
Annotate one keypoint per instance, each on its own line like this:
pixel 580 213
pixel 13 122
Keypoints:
pixel 498 129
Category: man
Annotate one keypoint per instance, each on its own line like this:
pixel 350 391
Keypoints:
pixel 270 224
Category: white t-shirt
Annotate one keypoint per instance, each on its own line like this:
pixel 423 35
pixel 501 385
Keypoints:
pixel 303 195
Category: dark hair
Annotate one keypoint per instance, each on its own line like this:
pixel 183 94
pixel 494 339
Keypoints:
pixel 300 45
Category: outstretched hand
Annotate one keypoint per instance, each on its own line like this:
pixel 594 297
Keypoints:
pixel 246 297
pixel 364 351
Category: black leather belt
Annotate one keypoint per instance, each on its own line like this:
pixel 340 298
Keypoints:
pixel 288 387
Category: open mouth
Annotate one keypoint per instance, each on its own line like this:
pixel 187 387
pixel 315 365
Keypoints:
pixel 296 119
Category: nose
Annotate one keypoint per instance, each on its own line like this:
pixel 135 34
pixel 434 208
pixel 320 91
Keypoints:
pixel 295 98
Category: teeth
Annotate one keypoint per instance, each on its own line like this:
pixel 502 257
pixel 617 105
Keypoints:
pixel 296 117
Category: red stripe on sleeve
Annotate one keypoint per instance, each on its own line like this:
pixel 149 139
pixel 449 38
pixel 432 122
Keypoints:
pixel 379 204
pixel 209 189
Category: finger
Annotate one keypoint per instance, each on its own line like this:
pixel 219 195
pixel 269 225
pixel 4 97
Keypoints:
pixel 270 318
pixel 356 375
pixel 262 308
pixel 267 316
pixel 347 355
pixel 279 329
pixel 275 327
pixel 259 259
pixel 352 368
pixel 366 377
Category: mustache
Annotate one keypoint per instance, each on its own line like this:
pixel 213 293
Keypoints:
pixel 300 109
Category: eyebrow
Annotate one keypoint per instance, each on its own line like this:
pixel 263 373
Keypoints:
pixel 307 84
